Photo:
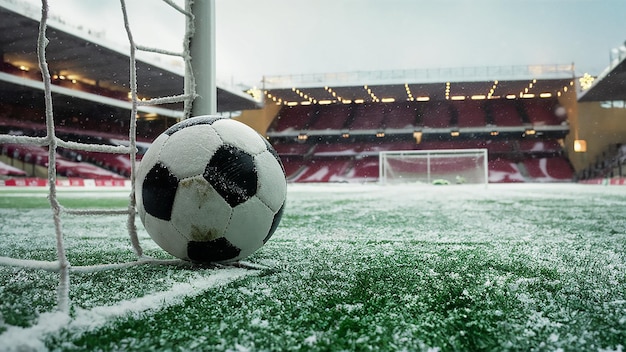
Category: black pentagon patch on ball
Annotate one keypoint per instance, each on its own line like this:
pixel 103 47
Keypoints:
pixel 158 192
pixel 216 250
pixel 194 121
pixel 233 174
pixel 275 222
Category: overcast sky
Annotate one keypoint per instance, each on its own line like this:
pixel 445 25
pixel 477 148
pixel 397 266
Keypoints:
pixel 279 37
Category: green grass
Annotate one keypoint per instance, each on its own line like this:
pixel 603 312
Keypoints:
pixel 37 199
pixel 521 267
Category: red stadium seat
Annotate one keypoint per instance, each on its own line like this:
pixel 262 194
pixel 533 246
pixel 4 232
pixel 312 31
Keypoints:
pixel 505 113
pixel 366 169
pixel 292 118
pixel 549 169
pixel 436 115
pixel 504 171
pixel 471 114
pixel 323 170
pixel 401 116
pixel 542 112
pixel 11 171
pixel 331 117
pixel 368 117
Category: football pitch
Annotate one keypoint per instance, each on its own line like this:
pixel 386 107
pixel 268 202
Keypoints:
pixel 515 267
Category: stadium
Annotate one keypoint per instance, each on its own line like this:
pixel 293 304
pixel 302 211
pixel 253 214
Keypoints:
pixel 522 249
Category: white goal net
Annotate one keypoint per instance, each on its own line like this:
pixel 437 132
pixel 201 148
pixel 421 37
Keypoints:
pixel 451 166
pixel 62 266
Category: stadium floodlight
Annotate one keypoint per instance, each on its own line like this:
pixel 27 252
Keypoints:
pixel 530 132
pixel 418 137
pixel 446 166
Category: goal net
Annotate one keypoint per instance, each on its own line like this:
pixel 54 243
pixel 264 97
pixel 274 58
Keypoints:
pixel 453 166
pixel 51 141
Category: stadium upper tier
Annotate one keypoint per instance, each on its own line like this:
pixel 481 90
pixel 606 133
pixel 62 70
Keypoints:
pixel 433 119
pixel 341 142
pixel 464 83
pixel 87 69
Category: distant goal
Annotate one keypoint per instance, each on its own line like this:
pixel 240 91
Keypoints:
pixel 448 166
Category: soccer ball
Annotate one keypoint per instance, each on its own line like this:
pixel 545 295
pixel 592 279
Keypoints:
pixel 210 189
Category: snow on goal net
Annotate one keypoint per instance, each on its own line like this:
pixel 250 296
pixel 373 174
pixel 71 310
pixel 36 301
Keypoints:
pixel 52 142
pixel 453 166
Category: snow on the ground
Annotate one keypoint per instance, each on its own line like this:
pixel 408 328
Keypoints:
pixel 31 339
pixel 373 196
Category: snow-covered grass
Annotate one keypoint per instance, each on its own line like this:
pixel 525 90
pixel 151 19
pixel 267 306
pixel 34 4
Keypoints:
pixel 351 267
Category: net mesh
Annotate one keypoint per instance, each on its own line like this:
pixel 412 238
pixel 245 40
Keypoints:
pixel 62 265
pixel 462 166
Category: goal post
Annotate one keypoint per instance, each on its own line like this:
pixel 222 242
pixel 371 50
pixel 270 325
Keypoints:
pixel 444 166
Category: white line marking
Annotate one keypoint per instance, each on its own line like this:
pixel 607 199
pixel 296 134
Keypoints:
pixel 32 338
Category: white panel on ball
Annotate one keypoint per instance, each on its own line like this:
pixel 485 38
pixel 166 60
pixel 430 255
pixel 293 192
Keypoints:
pixel 187 152
pixel 167 237
pixel 250 224
pixel 197 200
pixel 151 157
pixel 272 184
pixel 239 134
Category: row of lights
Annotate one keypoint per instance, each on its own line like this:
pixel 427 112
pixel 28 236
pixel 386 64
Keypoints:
pixel 492 90
pixel 410 97
pixel 71 78
pixel 307 100
pixel 62 77
pixel 332 93
pixel 417 135
pixel 372 95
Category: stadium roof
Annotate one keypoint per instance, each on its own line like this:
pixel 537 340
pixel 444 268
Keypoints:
pixel 81 54
pixel 425 84
pixel 609 85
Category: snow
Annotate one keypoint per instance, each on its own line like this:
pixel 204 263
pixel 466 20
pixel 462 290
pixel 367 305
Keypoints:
pixel 30 339
pixel 326 220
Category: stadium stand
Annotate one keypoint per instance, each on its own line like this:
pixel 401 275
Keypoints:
pixel 342 148
pixel 400 116
pixel 548 169
pixel 7 171
pixel 115 165
pixel 542 112
pixel 332 118
pixel 330 141
pixel 502 113
pixel 470 114
pixel 90 98
pixel 367 117
pixel 610 164
pixel 435 115
pixel 364 169
pixel 293 118
pixel 35 159
pixel 319 170
pixel 504 171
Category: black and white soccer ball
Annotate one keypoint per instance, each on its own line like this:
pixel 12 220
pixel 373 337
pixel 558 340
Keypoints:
pixel 210 189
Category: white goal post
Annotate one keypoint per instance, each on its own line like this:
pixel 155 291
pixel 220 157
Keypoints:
pixel 444 166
